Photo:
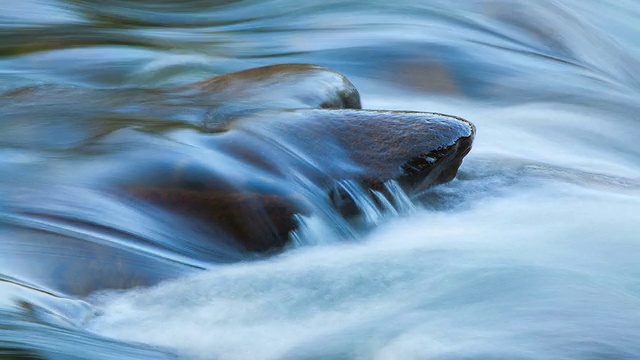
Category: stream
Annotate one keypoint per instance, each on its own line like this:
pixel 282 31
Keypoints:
pixel 531 252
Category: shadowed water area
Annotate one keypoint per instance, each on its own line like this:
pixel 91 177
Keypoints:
pixel 127 166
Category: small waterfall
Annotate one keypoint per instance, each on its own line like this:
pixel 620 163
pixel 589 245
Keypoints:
pixel 312 230
pixel 375 205
pixel 371 215
pixel 372 206
pixel 386 205
pixel 402 202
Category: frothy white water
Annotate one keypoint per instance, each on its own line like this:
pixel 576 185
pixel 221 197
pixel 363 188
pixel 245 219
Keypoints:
pixel 524 276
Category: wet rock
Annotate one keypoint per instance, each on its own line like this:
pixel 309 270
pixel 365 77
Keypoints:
pixel 210 172
pixel 258 222
pixel 286 86
pixel 324 147
pixel 417 150
pixel 63 118
pixel 283 86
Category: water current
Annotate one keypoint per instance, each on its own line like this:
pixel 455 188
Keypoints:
pixel 532 252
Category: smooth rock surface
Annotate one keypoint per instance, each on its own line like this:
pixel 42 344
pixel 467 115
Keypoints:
pixel 323 147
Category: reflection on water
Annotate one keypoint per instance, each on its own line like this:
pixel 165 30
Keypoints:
pixel 530 253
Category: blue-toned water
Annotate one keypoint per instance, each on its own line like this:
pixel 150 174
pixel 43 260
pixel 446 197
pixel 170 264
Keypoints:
pixel 532 252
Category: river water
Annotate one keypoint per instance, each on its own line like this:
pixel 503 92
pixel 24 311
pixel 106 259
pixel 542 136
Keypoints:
pixel 532 252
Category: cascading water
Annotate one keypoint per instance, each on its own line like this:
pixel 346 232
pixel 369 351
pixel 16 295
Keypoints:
pixel 530 253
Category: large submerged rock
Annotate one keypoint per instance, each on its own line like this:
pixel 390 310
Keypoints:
pixel 323 147
pixel 152 183
pixel 282 132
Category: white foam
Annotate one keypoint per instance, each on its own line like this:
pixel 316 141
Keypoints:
pixel 528 275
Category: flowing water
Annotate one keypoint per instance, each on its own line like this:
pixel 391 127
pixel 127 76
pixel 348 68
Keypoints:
pixel 532 252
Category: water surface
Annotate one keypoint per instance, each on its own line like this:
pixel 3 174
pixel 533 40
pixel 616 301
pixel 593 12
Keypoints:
pixel 530 253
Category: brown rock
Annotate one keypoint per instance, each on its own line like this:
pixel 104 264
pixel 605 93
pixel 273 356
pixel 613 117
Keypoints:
pixel 283 86
pixel 286 86
pixel 258 222
pixel 324 146
pixel 226 153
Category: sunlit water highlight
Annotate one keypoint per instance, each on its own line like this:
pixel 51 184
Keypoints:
pixel 531 253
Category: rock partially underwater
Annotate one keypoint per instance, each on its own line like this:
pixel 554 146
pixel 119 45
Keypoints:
pixel 285 86
pixel 63 118
pixel 240 157
pixel 283 153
